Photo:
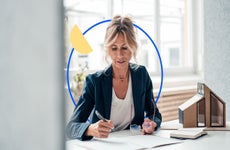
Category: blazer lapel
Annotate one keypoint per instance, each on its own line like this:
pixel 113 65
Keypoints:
pixel 136 92
pixel 107 91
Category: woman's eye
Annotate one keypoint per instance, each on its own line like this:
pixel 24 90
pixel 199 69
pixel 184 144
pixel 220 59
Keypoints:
pixel 124 48
pixel 114 48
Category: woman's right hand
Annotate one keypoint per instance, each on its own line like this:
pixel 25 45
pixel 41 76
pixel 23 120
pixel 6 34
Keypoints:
pixel 100 129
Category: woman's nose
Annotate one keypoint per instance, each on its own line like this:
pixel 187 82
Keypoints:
pixel 119 53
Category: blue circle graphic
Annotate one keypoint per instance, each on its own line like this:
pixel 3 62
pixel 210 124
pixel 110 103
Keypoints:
pixel 104 21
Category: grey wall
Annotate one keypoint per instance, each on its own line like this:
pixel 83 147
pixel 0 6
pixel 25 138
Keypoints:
pixel 31 78
pixel 217 48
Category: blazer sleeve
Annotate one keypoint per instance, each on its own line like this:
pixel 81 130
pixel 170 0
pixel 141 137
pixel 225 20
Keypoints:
pixel 150 102
pixel 78 124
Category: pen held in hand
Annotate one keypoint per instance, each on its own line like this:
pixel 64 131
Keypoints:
pixel 100 116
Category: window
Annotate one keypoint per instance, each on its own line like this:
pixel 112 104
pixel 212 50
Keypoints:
pixel 173 25
pixel 217 111
pixel 172 30
pixel 166 21
pixel 201 113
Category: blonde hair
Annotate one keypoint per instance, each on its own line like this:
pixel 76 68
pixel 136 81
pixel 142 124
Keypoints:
pixel 125 26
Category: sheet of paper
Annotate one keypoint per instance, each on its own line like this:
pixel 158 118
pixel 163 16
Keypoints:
pixel 123 143
pixel 149 141
pixel 99 144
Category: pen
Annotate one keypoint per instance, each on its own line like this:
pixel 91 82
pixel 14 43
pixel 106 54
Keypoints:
pixel 146 124
pixel 100 116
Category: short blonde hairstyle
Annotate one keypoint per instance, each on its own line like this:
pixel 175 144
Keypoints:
pixel 125 26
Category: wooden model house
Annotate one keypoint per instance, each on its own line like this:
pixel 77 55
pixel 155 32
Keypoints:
pixel 205 109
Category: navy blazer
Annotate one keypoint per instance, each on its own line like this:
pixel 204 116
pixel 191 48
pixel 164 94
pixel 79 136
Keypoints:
pixel 97 95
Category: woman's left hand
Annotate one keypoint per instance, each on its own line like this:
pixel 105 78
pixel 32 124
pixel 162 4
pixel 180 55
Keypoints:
pixel 148 126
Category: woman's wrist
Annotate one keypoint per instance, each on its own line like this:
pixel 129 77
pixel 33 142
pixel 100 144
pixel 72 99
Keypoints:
pixel 89 131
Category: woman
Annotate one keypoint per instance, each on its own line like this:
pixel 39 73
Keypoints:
pixel 122 93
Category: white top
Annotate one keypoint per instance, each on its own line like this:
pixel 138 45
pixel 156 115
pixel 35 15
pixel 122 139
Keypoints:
pixel 122 110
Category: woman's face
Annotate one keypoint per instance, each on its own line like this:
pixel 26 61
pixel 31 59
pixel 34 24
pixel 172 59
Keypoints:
pixel 119 52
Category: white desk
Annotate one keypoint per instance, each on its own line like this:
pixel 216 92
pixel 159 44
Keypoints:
pixel 213 141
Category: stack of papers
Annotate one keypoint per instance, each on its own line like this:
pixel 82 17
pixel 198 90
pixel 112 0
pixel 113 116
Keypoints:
pixel 188 133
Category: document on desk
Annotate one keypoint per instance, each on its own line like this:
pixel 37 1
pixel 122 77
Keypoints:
pixel 99 144
pixel 149 141
pixel 123 143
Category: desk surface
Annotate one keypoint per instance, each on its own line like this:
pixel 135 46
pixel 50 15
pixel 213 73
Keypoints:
pixel 213 141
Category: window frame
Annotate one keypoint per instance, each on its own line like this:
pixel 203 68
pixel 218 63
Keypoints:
pixel 194 38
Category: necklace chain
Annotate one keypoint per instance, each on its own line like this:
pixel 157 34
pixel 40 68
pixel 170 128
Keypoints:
pixel 121 78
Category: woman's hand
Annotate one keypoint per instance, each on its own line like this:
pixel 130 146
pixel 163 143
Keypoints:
pixel 148 126
pixel 100 129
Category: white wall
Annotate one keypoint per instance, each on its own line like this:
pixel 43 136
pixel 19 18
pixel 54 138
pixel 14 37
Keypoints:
pixel 217 48
pixel 31 78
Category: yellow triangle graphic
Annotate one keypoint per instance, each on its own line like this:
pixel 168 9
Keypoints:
pixel 79 42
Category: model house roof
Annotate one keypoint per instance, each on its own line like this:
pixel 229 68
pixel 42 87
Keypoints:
pixel 191 101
